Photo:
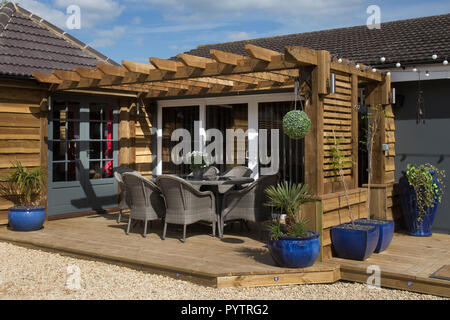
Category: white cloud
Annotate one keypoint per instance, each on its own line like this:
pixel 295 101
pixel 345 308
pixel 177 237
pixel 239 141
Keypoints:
pixel 108 38
pixel 93 12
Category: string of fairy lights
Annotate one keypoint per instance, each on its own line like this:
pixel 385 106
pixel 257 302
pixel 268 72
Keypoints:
pixel 434 56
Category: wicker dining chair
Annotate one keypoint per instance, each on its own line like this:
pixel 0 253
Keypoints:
pixel 124 202
pixel 248 204
pixel 238 172
pixel 146 200
pixel 185 204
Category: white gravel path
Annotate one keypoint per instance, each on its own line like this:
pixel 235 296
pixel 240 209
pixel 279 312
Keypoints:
pixel 34 274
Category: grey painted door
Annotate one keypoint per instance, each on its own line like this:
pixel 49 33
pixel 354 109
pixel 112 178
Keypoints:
pixel 83 152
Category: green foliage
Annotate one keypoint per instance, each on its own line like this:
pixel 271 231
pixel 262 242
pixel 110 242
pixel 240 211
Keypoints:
pixel 338 157
pixel 22 186
pixel 287 197
pixel 429 187
pixel 197 160
pixel 296 124
pixel 3 3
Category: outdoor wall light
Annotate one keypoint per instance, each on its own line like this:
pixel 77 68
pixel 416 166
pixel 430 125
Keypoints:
pixel 138 107
pixel 398 64
pixel 340 60
pixel 445 62
pixel 434 56
pixel 382 59
pixel 332 83
pixel 388 73
pixel 49 102
pixel 392 96
pixel 414 69
pixel 427 73
pixel 357 66
pixel 374 69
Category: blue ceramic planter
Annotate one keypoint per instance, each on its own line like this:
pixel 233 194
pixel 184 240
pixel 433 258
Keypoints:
pixel 408 202
pixel 386 232
pixel 292 252
pixel 353 243
pixel 26 219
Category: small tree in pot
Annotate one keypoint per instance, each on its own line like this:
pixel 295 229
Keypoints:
pixel 23 188
pixel 291 244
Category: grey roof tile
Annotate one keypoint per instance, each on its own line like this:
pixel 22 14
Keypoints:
pixel 409 41
pixel 30 44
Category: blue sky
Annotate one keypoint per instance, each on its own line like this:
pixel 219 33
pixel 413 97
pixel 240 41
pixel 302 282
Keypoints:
pixel 138 29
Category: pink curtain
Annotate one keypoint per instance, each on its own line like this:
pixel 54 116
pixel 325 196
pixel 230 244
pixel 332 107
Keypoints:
pixel 108 168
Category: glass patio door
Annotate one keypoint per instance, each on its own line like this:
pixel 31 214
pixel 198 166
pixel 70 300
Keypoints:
pixel 82 155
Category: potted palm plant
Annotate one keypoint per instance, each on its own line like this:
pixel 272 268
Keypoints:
pixel 421 189
pixel 23 187
pixel 291 244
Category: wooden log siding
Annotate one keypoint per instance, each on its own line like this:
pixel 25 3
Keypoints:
pixel 20 132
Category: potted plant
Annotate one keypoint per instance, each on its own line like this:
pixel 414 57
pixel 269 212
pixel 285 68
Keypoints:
pixel 291 244
pixel 421 189
pixel 351 240
pixel 197 163
pixel 23 187
pixel 386 227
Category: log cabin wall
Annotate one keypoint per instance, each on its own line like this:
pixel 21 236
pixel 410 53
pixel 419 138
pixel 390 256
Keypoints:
pixel 23 130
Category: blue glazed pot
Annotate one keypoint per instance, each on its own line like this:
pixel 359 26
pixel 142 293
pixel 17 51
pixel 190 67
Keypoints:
pixel 294 252
pixel 26 219
pixel 408 202
pixel 354 244
pixel 386 232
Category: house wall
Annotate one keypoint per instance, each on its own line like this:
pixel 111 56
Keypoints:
pixel 425 143
pixel 21 129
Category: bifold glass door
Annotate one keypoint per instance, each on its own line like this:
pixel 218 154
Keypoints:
pixel 83 151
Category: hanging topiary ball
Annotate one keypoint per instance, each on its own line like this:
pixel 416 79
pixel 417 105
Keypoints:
pixel 296 124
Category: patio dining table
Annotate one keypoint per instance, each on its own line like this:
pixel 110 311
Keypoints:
pixel 213 184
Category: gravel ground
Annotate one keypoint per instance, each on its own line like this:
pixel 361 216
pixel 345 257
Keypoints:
pixel 33 274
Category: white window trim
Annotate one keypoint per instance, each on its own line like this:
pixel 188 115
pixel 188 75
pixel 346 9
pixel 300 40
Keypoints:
pixel 251 100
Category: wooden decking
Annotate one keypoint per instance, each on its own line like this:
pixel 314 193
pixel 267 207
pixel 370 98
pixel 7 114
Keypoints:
pixel 235 260
pixel 239 259
pixel 407 264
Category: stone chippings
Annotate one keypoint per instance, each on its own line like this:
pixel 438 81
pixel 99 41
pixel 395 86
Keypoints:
pixel 34 274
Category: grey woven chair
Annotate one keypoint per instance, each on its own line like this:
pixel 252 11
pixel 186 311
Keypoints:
pixel 124 202
pixel 248 204
pixel 146 201
pixel 185 204
pixel 239 172
pixel 209 171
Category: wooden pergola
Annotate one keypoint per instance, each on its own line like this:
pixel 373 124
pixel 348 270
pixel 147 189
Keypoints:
pixel 264 69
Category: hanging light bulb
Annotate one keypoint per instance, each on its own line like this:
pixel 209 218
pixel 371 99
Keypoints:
pixel 382 59
pixel 434 56
pixel 398 64
pixel 340 60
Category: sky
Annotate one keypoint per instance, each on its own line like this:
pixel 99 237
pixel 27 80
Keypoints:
pixel 138 29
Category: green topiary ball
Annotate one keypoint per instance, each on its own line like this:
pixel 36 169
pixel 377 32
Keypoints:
pixel 296 124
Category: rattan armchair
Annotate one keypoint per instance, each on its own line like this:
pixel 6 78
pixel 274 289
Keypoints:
pixel 238 172
pixel 185 204
pixel 248 204
pixel 145 199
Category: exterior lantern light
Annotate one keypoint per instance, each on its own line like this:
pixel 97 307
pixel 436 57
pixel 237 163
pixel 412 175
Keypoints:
pixel 332 83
